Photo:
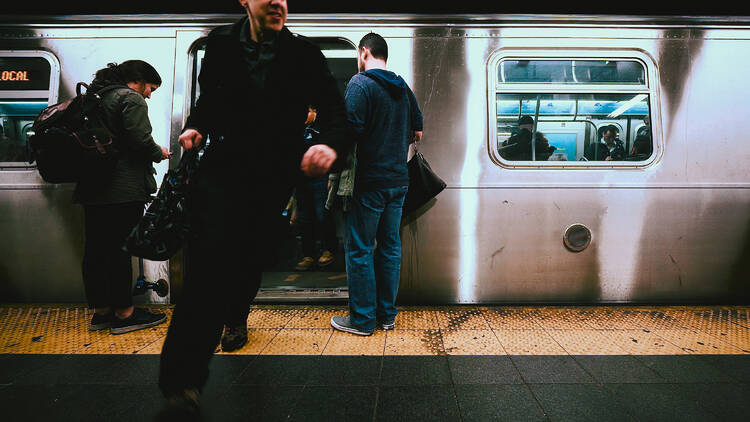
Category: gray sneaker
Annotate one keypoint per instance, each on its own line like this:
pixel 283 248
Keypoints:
pixel 342 323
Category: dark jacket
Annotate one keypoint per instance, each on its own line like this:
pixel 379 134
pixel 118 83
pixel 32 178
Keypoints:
pixel 383 113
pixel 125 113
pixel 599 151
pixel 264 125
pixel 518 147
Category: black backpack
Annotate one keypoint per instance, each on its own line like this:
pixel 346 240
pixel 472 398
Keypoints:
pixel 70 141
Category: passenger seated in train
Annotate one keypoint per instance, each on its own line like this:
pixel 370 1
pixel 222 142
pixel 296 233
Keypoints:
pixel 518 146
pixel 641 150
pixel 10 151
pixel 644 130
pixel 608 148
pixel 314 220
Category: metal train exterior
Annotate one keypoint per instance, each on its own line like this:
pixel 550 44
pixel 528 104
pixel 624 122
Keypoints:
pixel 672 226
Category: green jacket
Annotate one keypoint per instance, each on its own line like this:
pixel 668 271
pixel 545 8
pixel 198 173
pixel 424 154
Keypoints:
pixel 126 115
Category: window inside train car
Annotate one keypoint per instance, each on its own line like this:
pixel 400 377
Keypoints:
pixel 586 112
pixel 28 84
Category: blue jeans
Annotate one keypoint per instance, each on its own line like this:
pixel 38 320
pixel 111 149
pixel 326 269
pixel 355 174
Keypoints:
pixel 373 273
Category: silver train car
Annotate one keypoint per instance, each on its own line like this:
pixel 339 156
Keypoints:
pixel 671 225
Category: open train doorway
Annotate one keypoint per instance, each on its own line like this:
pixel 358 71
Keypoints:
pixel 287 278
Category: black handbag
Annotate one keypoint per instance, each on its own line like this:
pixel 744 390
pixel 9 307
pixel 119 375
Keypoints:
pixel 424 184
pixel 164 227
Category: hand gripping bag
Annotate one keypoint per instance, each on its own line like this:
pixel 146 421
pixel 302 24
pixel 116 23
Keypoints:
pixel 164 227
pixel 424 184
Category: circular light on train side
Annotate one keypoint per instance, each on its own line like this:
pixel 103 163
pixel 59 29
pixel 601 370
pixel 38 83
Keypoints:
pixel 577 237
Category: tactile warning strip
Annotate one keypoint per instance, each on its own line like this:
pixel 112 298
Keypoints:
pixel 453 330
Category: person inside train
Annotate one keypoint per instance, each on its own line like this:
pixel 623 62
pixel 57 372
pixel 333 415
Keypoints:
pixel 644 130
pixel 314 220
pixel 10 151
pixel 608 148
pixel 113 206
pixel 518 146
pixel 385 117
pixel 642 148
pixel 257 81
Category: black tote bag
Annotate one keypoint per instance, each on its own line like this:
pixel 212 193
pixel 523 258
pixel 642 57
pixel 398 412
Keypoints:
pixel 163 229
pixel 424 184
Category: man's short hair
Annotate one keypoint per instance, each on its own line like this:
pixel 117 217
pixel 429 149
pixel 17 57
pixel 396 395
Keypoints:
pixel 376 44
pixel 526 120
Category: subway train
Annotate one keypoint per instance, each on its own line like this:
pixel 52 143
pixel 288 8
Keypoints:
pixel 667 222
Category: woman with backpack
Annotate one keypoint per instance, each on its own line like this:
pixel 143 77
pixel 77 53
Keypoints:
pixel 113 203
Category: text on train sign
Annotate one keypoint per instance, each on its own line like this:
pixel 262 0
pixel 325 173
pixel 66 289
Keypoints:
pixel 15 75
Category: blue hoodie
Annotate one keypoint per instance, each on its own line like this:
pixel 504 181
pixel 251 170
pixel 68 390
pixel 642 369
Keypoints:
pixel 383 112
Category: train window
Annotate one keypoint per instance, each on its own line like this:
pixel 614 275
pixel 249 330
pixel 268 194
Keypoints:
pixel 571 71
pixel 28 84
pixel 586 112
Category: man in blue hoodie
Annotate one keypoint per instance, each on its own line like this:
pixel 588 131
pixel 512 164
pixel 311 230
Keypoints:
pixel 382 111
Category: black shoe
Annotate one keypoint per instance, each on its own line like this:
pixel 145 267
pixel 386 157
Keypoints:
pixel 138 320
pixel 387 325
pixel 100 322
pixel 234 338
pixel 182 408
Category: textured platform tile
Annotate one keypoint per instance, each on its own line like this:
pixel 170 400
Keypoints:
pixel 586 342
pixel 270 318
pixel 295 341
pixel 342 343
pixel 291 329
pixel 414 342
pixel 154 348
pixel 561 319
pixel 462 320
pixel 511 319
pixel 60 341
pixel 472 342
pixel 737 337
pixel 529 342
pixel 127 343
pixel 313 318
pixel 417 320
pixel 693 342
pixel 609 319
pixel 642 342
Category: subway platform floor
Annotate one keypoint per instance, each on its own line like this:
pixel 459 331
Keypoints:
pixel 462 363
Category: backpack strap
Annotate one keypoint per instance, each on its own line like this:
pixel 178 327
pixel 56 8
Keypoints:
pixel 108 88
pixel 101 91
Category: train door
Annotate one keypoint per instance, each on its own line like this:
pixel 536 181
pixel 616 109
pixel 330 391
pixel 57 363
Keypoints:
pixel 28 83
pixel 286 279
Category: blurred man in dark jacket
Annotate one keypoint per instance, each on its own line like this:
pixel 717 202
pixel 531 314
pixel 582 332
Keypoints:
pixel 256 83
